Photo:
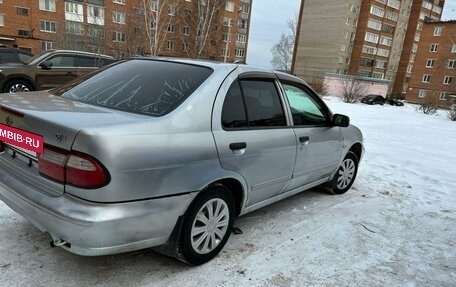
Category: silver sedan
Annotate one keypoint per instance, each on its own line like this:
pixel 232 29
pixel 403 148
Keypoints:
pixel 166 153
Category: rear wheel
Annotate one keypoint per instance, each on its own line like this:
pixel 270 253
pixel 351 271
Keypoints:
pixel 16 86
pixel 207 226
pixel 345 175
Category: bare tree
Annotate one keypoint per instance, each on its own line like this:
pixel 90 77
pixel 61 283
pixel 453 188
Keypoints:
pixel 282 52
pixel 352 90
pixel 430 104
pixel 319 85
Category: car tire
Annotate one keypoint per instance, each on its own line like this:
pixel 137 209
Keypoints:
pixel 207 226
pixel 345 175
pixel 18 85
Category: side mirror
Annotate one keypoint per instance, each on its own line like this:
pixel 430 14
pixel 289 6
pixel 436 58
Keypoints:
pixel 341 121
pixel 46 65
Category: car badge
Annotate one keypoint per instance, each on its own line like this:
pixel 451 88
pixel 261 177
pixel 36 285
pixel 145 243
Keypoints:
pixel 9 121
pixel 60 137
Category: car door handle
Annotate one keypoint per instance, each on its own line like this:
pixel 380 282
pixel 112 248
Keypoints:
pixel 304 139
pixel 238 146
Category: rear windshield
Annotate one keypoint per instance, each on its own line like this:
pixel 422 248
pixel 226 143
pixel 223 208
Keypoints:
pixel 148 87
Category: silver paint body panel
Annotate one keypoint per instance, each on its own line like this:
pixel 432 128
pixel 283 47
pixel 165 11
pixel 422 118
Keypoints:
pixel 158 165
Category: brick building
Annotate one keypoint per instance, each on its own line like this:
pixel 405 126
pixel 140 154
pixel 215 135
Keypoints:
pixel 124 28
pixel 434 70
pixel 370 38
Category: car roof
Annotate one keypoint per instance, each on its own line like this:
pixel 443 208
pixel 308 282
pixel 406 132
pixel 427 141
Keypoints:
pixel 79 53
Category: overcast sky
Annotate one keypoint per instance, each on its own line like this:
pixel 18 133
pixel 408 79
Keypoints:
pixel 269 21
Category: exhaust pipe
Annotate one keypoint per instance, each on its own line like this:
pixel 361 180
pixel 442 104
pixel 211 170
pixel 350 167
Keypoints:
pixel 59 242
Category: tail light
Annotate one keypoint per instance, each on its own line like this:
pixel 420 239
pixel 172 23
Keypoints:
pixel 73 168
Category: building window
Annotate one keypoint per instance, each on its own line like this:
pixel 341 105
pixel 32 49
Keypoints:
pixel 353 8
pixel 2 20
pixel 46 45
pixel 447 80
pixel 433 47
pixel 22 11
pixel 74 12
pixel 396 4
pixel 96 32
pixel 383 53
pixel 343 47
pixel 386 41
pixel 226 37
pixel 437 31
pixel 412 58
pixel 409 68
pixel 373 24
pixel 245 8
pixel 242 24
pixel 426 78
pixel 47 5
pixel 154 6
pixel 443 96
pixel 427 5
pixel 377 75
pixel 172 10
pixel 186 30
pixel 170 45
pixel 451 64
pixel 422 93
pixel 23 32
pixel 453 48
pixel 75 28
pixel 240 38
pixel 225 52
pixel 414 48
pixel 417 37
pixel 119 1
pixel 153 24
pixel 366 62
pixel 341 60
pixel 391 15
pixel 382 1
pixel 185 47
pixel 348 21
pixel 226 21
pixel 118 17
pixel 388 28
pixel 430 63
pixel 371 37
pixel 47 26
pixel 229 6
pixel 170 28
pixel 240 53
pixel 95 15
pixel 419 27
pixel 377 11
pixel 380 64
pixel 118 36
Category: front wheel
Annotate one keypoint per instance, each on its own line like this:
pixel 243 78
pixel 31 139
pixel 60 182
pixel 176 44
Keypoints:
pixel 16 86
pixel 207 225
pixel 346 174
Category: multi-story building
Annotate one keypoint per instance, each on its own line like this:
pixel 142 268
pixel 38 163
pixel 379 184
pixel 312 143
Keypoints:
pixel 370 38
pixel 434 70
pixel 216 30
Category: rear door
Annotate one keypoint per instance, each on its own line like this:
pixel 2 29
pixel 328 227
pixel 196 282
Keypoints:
pixel 86 64
pixel 319 143
pixel 252 135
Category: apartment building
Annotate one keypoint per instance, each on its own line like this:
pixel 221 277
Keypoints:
pixel 434 69
pixel 375 39
pixel 216 30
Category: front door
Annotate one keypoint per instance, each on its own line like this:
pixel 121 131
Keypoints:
pixel 319 143
pixel 253 137
pixel 63 70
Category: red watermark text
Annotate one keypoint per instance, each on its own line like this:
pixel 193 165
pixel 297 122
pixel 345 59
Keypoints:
pixel 21 138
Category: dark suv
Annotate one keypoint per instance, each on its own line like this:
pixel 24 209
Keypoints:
pixel 12 55
pixel 48 70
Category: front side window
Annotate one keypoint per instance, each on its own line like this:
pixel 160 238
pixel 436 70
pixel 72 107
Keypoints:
pixel 62 61
pixel 305 110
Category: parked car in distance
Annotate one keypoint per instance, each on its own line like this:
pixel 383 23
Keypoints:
pixel 13 55
pixel 166 153
pixel 394 102
pixel 49 69
pixel 373 100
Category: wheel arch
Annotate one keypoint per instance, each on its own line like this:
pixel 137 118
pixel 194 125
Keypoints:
pixel 357 149
pixel 20 77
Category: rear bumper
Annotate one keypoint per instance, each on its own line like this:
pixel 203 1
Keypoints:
pixel 93 229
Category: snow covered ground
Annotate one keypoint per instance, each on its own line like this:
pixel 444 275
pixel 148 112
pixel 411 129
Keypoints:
pixel 395 227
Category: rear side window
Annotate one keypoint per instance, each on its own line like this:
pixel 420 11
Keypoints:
pixel 24 58
pixel 253 104
pixel 86 62
pixel 147 87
